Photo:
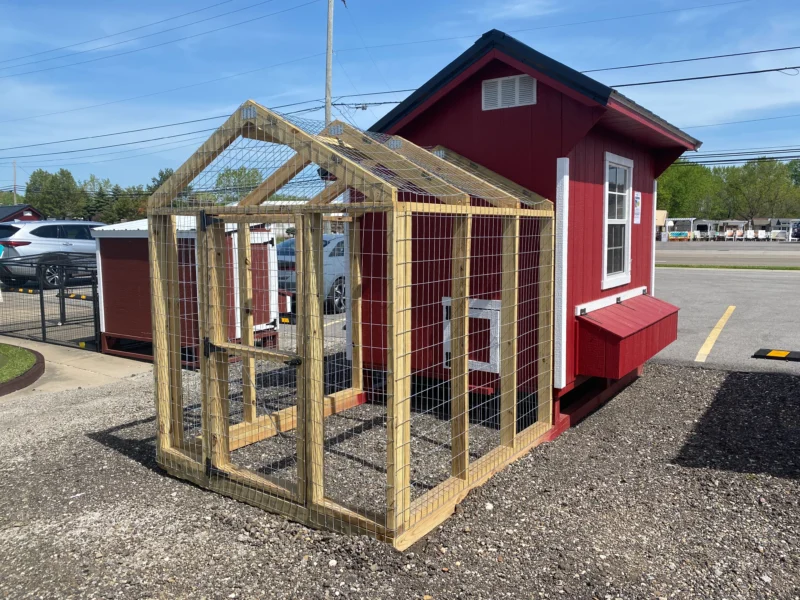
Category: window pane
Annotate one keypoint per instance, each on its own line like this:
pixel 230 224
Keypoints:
pixel 622 179
pixel 622 201
pixel 612 178
pixel 616 260
pixel 612 206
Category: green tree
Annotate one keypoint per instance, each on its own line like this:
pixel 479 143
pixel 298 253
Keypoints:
pixel 234 184
pixel 156 182
pixel 794 171
pixel 7 198
pixel 760 189
pixel 97 197
pixel 686 190
pixel 56 195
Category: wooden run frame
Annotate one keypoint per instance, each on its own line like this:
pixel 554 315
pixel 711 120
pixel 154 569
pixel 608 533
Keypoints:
pixel 206 459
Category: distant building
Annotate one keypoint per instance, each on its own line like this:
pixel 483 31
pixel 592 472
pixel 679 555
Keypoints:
pixel 19 212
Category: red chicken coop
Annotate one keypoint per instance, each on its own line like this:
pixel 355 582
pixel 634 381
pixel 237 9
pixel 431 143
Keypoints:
pixel 531 123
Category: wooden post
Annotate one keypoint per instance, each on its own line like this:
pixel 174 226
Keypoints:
pixel 217 359
pixel 459 346
pixel 159 288
pixel 174 348
pixel 201 256
pixel 509 299
pixel 544 325
pixel 300 322
pixel 354 232
pixel 314 356
pixel 398 360
pixel 245 275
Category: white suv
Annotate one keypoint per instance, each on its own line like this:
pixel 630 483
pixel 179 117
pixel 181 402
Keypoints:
pixel 25 244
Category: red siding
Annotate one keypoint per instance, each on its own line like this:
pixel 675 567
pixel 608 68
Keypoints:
pixel 520 143
pixel 585 262
pixel 523 144
pixel 21 216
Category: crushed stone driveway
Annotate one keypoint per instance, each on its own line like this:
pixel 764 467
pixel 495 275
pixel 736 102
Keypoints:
pixel 687 485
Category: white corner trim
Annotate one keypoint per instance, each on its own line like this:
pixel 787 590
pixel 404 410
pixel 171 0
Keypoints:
pixel 561 248
pixel 585 309
pixel 653 240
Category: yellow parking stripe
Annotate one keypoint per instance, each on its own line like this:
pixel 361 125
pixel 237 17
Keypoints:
pixel 705 349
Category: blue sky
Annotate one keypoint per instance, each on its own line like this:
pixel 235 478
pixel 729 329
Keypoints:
pixel 267 39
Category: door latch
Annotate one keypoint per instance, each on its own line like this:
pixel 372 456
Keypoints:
pixel 293 362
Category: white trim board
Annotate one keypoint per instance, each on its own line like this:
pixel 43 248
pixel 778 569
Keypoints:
pixel 653 240
pixel 561 257
pixel 585 309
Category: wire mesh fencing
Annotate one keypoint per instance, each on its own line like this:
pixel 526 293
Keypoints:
pixel 52 299
pixel 374 324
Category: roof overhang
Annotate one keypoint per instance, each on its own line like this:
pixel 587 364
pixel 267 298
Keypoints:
pixel 622 113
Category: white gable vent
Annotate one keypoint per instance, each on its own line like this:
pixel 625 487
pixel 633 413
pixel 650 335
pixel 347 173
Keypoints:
pixel 507 92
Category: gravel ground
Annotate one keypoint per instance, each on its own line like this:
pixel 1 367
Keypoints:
pixel 685 486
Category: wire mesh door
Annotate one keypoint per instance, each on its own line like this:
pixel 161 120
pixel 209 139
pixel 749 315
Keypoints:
pixel 251 372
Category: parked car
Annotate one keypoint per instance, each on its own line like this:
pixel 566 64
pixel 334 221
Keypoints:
pixel 334 268
pixel 55 244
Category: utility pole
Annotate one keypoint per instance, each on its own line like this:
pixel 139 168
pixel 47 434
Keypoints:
pixel 329 64
pixel 15 180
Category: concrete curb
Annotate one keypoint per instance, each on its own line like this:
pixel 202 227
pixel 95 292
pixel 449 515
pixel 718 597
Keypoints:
pixel 27 378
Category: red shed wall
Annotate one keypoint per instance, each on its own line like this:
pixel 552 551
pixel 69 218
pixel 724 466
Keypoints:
pixel 126 289
pixel 586 200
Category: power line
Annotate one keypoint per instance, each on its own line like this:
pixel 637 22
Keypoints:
pixel 141 37
pixel 695 59
pixel 188 37
pixel 733 161
pixel 103 135
pixel 622 85
pixel 116 34
pixel 588 22
pixel 738 122
pixel 109 146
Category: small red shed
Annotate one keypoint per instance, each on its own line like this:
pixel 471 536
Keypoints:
pixel 19 212
pixel 597 155
pixel 123 280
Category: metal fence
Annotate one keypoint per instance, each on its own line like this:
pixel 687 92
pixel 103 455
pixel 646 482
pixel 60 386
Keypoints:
pixel 58 303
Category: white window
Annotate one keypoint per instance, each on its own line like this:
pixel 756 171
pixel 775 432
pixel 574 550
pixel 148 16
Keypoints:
pixel 507 92
pixel 617 221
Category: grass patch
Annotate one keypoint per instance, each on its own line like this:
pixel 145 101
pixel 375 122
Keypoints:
pixel 740 267
pixel 14 361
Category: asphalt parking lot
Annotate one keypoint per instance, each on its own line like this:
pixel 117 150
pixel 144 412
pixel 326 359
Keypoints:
pixel 764 254
pixel 767 315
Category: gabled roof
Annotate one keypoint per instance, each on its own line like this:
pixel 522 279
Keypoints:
pixel 12 209
pixel 335 159
pixel 569 80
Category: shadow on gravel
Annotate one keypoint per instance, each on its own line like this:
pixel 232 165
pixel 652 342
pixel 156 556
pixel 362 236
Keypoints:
pixel 752 426
pixel 136 440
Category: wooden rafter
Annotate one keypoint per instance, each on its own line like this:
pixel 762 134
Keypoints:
pixel 444 169
pixel 377 155
pixel 343 168
pixel 495 178
pixel 223 137
pixel 276 181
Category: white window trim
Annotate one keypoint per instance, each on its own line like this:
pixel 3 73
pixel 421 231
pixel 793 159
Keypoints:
pixel 624 278
pixel 478 309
